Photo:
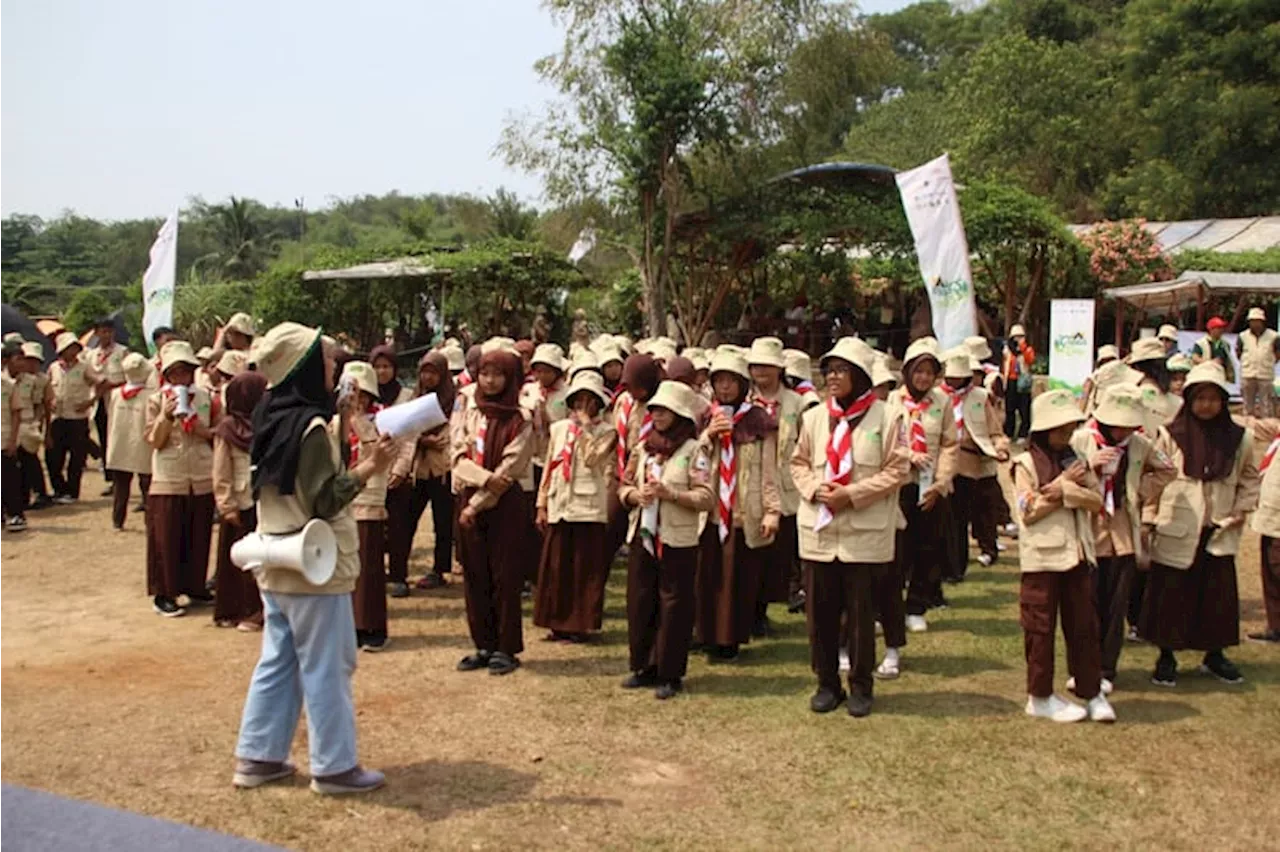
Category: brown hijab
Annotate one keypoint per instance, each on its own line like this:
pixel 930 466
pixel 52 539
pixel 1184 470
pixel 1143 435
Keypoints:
pixel 444 389
pixel 503 410
pixel 664 444
pixel 1208 446
pixel 754 425
pixel 680 369
pixel 641 372
pixel 242 395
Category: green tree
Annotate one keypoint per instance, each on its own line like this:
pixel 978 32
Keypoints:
pixel 85 307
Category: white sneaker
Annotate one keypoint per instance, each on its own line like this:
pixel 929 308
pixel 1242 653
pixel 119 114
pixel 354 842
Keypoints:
pixel 1055 707
pixel 845 665
pixel 985 560
pixel 1001 546
pixel 887 670
pixel 1107 686
pixel 1100 710
pixel 879 629
pixel 917 624
pixel 1011 530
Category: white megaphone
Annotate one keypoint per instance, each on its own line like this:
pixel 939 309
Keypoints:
pixel 312 552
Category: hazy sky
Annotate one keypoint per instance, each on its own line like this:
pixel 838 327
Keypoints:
pixel 126 108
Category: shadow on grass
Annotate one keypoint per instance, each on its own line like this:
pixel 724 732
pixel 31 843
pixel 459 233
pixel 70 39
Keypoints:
pixel 994 599
pixel 952 666
pixel 435 789
pixel 945 704
pixel 978 626
pixel 596 666
pixel 1144 711
pixel 721 682
pixel 419 642
pixel 428 613
pixel 768 652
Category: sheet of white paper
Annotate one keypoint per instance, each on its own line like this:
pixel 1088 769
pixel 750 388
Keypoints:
pixel 410 419
pixel 926 481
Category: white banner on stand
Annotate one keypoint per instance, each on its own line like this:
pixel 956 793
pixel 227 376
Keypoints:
pixel 159 279
pixel 933 212
pixel 1070 343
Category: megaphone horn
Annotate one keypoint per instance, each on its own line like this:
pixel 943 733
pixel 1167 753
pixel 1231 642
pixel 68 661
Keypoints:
pixel 311 552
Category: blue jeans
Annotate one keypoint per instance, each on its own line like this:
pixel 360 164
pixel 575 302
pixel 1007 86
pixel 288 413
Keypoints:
pixel 308 654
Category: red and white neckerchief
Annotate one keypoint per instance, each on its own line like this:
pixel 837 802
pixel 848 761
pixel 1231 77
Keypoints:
pixel 464 379
pixel 1269 455
pixel 769 405
pixel 729 470
pixel 189 420
pixel 957 406
pixel 104 355
pixel 564 459
pixel 353 437
pixel 804 386
pixel 839 466
pixel 1108 480
pixel 916 438
pixel 621 417
pixel 649 514
pixel 477 454
pixel 130 390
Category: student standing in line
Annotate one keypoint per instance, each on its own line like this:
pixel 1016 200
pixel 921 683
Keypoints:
pixel 15 496
pixel 492 453
pixel 1212 348
pixel 237 600
pixel 399 504
pixel 544 396
pixel 107 357
pixel 180 505
pixel 1191 600
pixel 1148 358
pixel 1057 496
pixel 667 485
pixel 73 382
pixel 1266 522
pixel 981 447
pixel 632 424
pixel 35 395
pixel 128 453
pixel 432 483
pixel 1178 366
pixel 573 509
pixel 1257 347
pixel 743 446
pixel 800 377
pixel 848 466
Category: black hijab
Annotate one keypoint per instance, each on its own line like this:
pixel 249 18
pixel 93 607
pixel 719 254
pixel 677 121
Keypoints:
pixel 282 417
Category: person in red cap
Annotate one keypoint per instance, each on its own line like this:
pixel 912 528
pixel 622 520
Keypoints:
pixel 1212 347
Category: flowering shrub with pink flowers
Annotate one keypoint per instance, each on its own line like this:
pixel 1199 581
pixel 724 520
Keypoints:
pixel 1123 252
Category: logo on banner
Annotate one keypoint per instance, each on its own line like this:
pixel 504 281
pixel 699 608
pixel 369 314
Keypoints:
pixel 950 293
pixel 1071 345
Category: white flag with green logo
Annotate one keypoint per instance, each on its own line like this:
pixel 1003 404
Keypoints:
pixel 158 281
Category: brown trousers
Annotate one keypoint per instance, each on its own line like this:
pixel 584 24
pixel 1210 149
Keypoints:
pixel 236 592
pixel 123 481
pixel 1259 397
pixel 777 564
pixel 660 608
pixel 571 578
pixel 921 551
pixel 1111 583
pixel 842 590
pixel 494 571
pixel 728 581
pixel 1271 580
pixel 179 531
pixel 65 458
pixel 972 505
pixel 369 600
pixel 436 492
pixel 15 496
pixel 1045 595
pixel 400 528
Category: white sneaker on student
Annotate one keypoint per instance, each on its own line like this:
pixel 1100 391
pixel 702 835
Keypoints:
pixel 985 560
pixel 917 624
pixel 1100 710
pixel 1001 546
pixel 879 629
pixel 845 665
pixel 1107 686
pixel 888 669
pixel 1055 707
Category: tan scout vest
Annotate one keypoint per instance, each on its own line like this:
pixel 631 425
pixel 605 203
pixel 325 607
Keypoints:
pixel 1158 407
pixel 1258 355
pixel 936 419
pixel 677 526
pixel 975 458
pixel 281 514
pixel 1139 449
pixel 556 410
pixel 232 479
pixel 1059 540
pixel 109 363
pixel 584 498
pixel 866 535
pixel 127 447
pixel 1266 521
pixel 8 391
pixel 371 503
pixel 72 388
pixel 1202 350
pixel 31 430
pixel 749 505
pixel 790 407
pixel 1188 505
pixel 184 465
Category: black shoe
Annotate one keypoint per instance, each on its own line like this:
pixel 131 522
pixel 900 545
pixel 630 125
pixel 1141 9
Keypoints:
pixel 502 664
pixel 859 705
pixel 167 607
pixel 1217 664
pixel 201 598
pixel 641 680
pixel 797 602
pixel 670 689
pixel 43 501
pixel 939 602
pixel 1166 673
pixel 722 653
pixel 825 700
pixel 375 642
pixel 399 590
pixel 955 581
pixel 141 507
pixel 210 585
pixel 1266 637
pixel 474 662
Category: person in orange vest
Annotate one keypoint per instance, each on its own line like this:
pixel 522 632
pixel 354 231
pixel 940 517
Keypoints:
pixel 1016 372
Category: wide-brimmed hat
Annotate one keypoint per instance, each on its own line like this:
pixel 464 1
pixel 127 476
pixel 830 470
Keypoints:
pixel 798 364
pixel 1054 408
pixel 550 355
pixel 1206 373
pixel 730 362
pixel 1115 373
pixel 233 362
pixel 588 381
pixel 677 397
pixel 279 352
pixel 242 323
pixel 1256 314
pixel 363 374
pixel 851 349
pixel 767 351
pixel 979 347
pixel 923 347
pixel 1108 352
pixel 881 374
pixel 177 352
pixel 1179 363
pixel 584 360
pixel 136 367
pixel 456 357
pixel 1168 332
pixel 1121 405
pixel 31 349
pixel 957 363
pixel 499 344
pixel 608 350
pixel 624 343
pixel 1147 349
pixel 65 341
pixel 698 357
pixel 662 349
pixel 1017 330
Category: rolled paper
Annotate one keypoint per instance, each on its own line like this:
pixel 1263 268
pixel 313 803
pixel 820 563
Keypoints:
pixel 410 419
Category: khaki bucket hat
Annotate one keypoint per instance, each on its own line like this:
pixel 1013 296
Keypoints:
pixel 363 374
pixel 279 352
pixel 730 362
pixel 677 397
pixel 177 352
pixel 1121 405
pixel 588 381
pixel 1208 373
pixel 767 351
pixel 1054 408
pixel 1147 349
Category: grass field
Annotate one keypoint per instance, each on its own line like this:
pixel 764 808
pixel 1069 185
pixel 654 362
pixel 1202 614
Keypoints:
pixel 104 701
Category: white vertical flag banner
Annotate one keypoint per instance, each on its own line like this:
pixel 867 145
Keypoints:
pixel 933 212
pixel 159 279
pixel 1070 343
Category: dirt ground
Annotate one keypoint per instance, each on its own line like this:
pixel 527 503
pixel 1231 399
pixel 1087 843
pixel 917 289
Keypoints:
pixel 103 700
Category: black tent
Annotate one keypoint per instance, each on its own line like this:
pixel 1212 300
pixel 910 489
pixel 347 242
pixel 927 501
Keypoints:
pixel 12 319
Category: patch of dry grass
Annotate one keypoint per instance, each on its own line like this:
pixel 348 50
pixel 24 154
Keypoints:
pixel 104 701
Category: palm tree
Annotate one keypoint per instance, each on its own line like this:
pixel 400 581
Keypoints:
pixel 245 245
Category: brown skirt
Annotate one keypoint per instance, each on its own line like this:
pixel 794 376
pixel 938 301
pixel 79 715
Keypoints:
pixel 571 578
pixel 179 531
pixel 1193 609
pixel 369 600
pixel 494 568
pixel 778 562
pixel 727 585
pixel 236 592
